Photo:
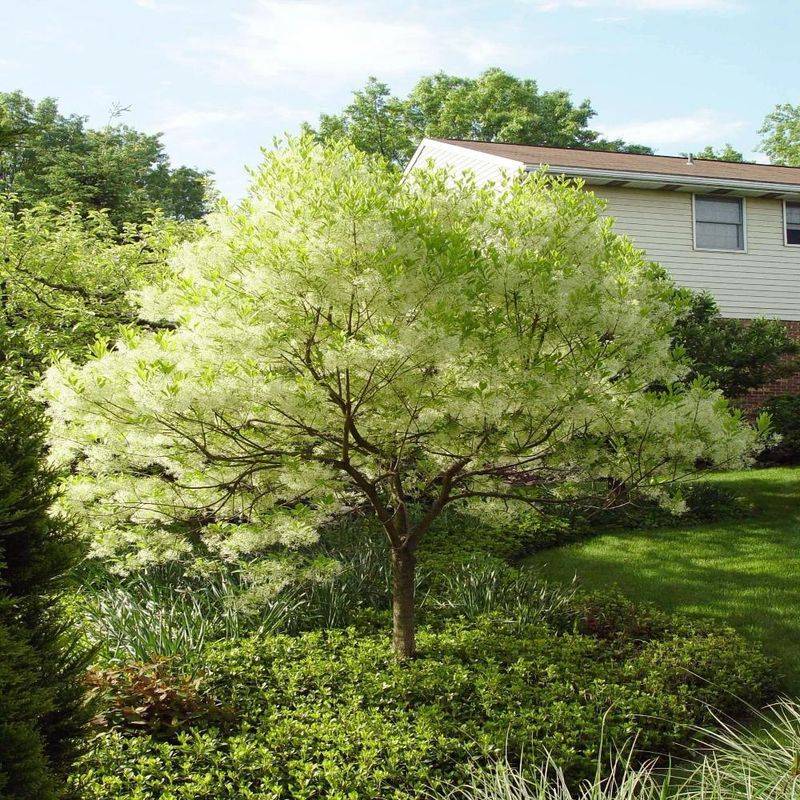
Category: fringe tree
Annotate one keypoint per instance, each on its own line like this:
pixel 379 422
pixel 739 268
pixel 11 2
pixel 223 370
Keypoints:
pixel 350 338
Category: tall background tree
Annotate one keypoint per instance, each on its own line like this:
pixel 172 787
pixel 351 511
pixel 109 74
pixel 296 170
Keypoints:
pixel 86 215
pixel 726 153
pixel 56 158
pixel 495 106
pixel 781 135
pixel 349 339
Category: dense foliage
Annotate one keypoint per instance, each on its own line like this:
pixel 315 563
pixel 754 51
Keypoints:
pixel 495 106
pixel 332 715
pixel 726 153
pixel 46 156
pixel 41 665
pixel 785 413
pixel 343 359
pixel 65 278
pixel 734 355
pixel 781 135
pixel 348 338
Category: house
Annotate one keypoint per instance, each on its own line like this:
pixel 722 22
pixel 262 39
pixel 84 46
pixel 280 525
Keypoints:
pixel 730 229
pixel 727 228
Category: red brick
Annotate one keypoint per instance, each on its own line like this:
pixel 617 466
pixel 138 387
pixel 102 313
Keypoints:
pixel 755 398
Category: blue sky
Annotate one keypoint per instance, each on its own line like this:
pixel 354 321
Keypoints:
pixel 221 79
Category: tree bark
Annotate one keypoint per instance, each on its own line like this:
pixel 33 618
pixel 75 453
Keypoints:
pixel 404 563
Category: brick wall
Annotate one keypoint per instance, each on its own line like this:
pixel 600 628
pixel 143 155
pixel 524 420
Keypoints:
pixel 788 385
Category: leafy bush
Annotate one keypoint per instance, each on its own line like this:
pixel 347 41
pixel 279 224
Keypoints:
pixel 785 412
pixel 41 665
pixel 704 502
pixel 734 355
pixel 707 502
pixel 152 698
pixel 332 714
pixel 611 615
pixel 484 528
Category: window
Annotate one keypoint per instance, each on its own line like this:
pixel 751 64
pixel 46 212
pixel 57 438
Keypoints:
pixel 719 223
pixel 791 216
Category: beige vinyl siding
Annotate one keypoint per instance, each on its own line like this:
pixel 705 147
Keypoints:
pixel 763 281
pixel 485 167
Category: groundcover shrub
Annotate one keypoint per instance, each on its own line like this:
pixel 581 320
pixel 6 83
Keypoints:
pixel 333 715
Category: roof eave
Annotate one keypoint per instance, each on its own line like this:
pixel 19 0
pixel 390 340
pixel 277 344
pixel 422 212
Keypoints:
pixel 656 179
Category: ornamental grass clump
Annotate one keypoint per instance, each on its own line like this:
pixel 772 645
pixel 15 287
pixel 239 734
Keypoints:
pixel 759 761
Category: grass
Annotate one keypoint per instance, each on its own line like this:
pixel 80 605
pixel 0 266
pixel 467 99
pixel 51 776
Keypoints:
pixel 744 573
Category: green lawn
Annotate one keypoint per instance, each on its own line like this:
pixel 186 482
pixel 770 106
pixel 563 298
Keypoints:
pixel 745 573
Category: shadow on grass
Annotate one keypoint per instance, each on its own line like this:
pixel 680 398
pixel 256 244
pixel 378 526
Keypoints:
pixel 743 573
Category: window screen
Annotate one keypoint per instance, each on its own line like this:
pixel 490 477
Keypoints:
pixel 719 223
pixel 793 223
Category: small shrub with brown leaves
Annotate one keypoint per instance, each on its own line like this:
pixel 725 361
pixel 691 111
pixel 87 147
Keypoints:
pixel 153 699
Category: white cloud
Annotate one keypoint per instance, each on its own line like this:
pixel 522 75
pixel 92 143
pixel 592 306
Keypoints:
pixel 193 119
pixel 700 128
pixel 339 40
pixel 281 36
pixel 146 3
pixel 642 5
pixel 186 122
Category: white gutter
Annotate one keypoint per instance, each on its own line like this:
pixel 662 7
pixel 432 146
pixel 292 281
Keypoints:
pixel 677 180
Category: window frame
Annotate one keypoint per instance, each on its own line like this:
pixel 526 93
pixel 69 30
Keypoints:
pixel 743 201
pixel 786 242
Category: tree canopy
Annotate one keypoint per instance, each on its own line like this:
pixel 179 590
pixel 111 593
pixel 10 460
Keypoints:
pixel 781 135
pixel 46 156
pixel 350 339
pixel 64 278
pixel 495 106
pixel 726 153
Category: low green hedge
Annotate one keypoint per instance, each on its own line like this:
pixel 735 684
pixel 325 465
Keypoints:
pixel 705 502
pixel 459 535
pixel 332 715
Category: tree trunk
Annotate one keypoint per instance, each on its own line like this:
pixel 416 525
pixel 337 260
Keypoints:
pixel 404 563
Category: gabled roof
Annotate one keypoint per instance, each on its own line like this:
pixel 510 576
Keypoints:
pixel 678 170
